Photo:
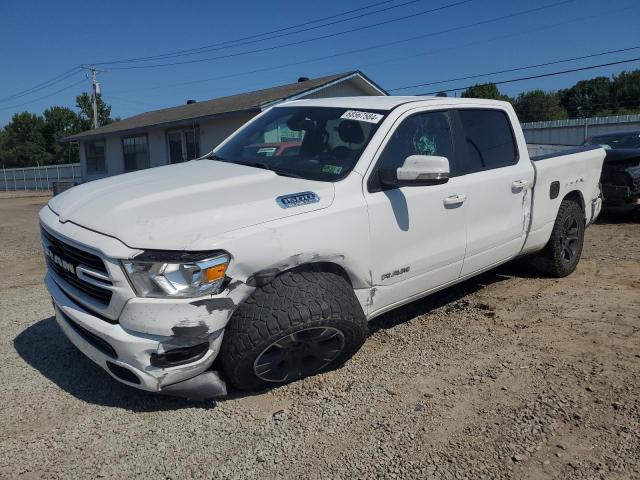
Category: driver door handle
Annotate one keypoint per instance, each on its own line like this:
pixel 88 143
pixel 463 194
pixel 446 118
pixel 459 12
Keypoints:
pixel 519 185
pixel 454 200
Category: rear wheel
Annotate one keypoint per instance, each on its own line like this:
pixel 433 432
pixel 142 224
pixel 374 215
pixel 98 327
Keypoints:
pixel 300 324
pixel 561 255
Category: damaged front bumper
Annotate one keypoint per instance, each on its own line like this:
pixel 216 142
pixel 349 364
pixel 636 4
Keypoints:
pixel 129 355
pixel 163 345
pixel 621 179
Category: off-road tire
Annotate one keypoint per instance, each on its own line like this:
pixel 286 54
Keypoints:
pixel 550 260
pixel 292 302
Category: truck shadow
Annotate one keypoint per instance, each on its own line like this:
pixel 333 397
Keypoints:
pixel 44 347
pixel 613 217
pixel 452 298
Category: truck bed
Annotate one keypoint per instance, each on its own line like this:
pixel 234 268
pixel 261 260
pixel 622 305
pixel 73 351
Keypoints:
pixel 563 152
pixel 557 175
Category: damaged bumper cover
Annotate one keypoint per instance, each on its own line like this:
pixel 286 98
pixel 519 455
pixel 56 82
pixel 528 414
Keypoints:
pixel 621 178
pixel 175 364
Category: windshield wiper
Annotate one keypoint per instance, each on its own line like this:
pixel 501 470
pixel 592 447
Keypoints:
pixel 213 156
pixel 266 166
pixel 262 165
pixel 286 173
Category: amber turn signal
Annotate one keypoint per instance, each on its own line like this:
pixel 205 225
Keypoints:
pixel 215 273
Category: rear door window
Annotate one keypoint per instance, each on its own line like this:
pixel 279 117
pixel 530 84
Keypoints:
pixel 487 141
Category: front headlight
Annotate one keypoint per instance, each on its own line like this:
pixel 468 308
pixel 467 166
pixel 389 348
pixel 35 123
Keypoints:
pixel 176 278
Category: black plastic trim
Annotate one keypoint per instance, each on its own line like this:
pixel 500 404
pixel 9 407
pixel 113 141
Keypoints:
pixel 88 310
pixel 90 337
pixel 75 254
pixel 123 373
pixel 177 255
pixel 179 356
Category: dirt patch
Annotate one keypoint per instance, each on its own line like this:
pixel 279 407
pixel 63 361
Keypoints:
pixel 506 376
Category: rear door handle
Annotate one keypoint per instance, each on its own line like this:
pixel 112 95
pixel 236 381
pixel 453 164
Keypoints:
pixel 519 185
pixel 454 200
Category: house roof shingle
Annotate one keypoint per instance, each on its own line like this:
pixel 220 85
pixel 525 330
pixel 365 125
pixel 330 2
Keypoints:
pixel 217 106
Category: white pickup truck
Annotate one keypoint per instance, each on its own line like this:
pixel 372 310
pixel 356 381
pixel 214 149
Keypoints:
pixel 258 265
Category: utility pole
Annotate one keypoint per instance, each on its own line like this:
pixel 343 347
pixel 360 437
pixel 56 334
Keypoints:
pixel 96 89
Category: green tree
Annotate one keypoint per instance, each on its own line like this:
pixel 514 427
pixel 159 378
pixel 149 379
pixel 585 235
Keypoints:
pixel 29 139
pixel 23 143
pixel 588 98
pixel 60 122
pixel 486 90
pixel 84 104
pixel 537 106
pixel 626 92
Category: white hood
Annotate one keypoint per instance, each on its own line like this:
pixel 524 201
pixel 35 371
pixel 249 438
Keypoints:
pixel 178 206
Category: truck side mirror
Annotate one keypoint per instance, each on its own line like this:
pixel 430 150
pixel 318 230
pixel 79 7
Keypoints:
pixel 417 170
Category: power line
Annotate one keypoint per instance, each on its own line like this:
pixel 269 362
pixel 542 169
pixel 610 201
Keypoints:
pixel 278 30
pixel 43 85
pixel 45 96
pixel 505 36
pixel 65 75
pixel 521 79
pixel 492 39
pixel 545 64
pixel 261 37
pixel 612 104
pixel 395 42
pixel 69 73
pixel 308 40
pixel 126 100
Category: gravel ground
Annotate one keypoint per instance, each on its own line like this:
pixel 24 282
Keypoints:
pixel 505 376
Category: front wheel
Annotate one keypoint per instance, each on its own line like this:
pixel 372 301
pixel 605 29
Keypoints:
pixel 300 324
pixel 561 255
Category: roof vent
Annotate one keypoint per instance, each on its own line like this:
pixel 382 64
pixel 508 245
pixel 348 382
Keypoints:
pixel 189 102
pixel 303 79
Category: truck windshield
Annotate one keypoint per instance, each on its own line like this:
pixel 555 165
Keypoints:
pixel 315 143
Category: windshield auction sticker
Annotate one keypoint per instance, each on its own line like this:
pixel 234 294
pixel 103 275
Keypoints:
pixel 332 169
pixel 362 116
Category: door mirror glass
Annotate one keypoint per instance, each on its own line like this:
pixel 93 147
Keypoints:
pixel 417 170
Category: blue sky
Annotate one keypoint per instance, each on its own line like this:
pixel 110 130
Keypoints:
pixel 42 39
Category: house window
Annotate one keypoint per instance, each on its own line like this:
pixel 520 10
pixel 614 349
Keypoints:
pixel 95 155
pixel 136 153
pixel 183 145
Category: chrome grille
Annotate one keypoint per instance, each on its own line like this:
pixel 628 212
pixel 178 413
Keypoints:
pixel 78 258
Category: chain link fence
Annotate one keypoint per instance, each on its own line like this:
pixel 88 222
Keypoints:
pixel 39 178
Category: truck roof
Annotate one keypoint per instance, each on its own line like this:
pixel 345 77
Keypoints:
pixel 387 102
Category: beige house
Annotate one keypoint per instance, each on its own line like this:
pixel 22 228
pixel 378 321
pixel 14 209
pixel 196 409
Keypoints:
pixel 177 134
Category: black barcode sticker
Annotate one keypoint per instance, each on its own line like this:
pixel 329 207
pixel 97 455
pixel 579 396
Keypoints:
pixel 362 116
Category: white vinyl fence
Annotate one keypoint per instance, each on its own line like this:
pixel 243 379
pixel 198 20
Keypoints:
pixel 39 178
